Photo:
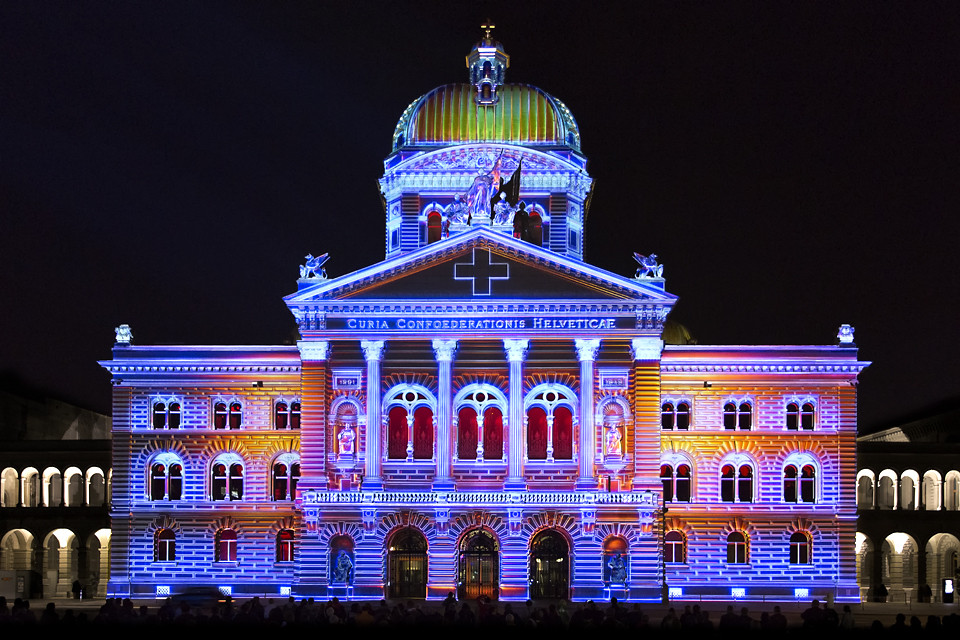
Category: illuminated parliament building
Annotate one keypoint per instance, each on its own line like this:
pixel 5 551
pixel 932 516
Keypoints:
pixel 483 412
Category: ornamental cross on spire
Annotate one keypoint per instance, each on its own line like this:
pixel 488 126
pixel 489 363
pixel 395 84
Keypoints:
pixel 488 26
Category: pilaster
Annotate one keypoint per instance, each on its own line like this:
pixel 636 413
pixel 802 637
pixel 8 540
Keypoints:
pixel 516 353
pixel 587 354
pixel 373 353
pixel 444 351
pixel 646 414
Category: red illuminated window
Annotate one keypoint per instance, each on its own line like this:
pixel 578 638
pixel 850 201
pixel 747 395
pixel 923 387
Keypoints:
pixel 434 227
pixel 397 434
pixel 793 416
pixel 738 416
pixel 676 486
pixel 492 434
pixel 683 416
pixel 467 434
pixel 536 434
pixel 236 415
pixel 226 545
pixel 536 229
pixel 173 415
pixel 294 415
pixel 285 478
pixel 220 415
pixel 562 434
pixel 281 419
pixel 423 433
pixel 166 483
pixel 285 541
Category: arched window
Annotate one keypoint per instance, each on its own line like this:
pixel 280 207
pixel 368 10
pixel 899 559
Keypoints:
pixel 683 416
pixel 159 415
pixel 166 415
pixel 294 415
pixel 800 548
pixel 536 229
pixel 793 416
pixel 227 478
pixel 166 546
pixel 808 484
pixel 467 434
pixel 800 417
pixel 493 434
pixel 236 415
pixel 397 434
pixel 806 416
pixel 736 483
pixel 745 484
pixel 736 548
pixel 220 415
pixel 666 478
pixel 422 433
pixel 286 415
pixel 536 434
pixel 562 434
pixel 286 473
pixel 676 485
pixel 280 481
pixel 434 227
pixel 668 416
pixel 166 480
pixel 281 416
pixel 226 545
pixel 729 416
pixel 683 483
pixel 790 483
pixel 745 416
pixel 674 547
pixel 158 482
pixel 173 415
pixel 285 545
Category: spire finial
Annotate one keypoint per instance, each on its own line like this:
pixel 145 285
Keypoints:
pixel 488 26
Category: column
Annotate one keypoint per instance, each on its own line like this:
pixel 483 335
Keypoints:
pixel 516 353
pixel 373 352
pixel 587 354
pixel 444 351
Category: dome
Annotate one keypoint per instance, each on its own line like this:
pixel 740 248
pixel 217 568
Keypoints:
pixel 522 114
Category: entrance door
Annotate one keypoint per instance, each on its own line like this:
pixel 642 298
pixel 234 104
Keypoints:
pixel 407 565
pixel 549 566
pixel 479 572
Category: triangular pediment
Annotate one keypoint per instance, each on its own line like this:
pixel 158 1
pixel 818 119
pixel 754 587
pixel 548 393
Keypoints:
pixel 482 266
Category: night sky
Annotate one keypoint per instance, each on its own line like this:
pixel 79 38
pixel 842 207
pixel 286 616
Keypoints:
pixel 169 165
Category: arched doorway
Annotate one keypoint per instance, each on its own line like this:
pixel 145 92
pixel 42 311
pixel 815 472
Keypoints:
pixel 549 565
pixel 407 565
pixel 479 572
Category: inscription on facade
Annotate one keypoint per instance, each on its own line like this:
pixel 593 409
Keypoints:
pixel 479 324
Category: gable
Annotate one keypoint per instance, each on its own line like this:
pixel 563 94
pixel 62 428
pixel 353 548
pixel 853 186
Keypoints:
pixel 483 273
pixel 482 266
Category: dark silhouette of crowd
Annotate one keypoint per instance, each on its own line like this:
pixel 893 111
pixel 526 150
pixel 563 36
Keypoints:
pixel 480 614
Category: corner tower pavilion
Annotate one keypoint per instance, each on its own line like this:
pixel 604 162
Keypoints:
pixel 483 412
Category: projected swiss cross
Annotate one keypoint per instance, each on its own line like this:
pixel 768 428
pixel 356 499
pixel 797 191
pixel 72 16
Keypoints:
pixel 480 271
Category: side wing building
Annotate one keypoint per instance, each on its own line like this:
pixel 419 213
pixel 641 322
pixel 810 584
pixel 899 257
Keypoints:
pixel 483 412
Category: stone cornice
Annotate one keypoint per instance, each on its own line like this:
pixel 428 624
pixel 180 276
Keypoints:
pixel 746 367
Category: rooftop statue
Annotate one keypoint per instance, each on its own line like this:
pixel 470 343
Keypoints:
pixel 502 211
pixel 482 190
pixel 457 211
pixel 313 268
pixel 648 266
